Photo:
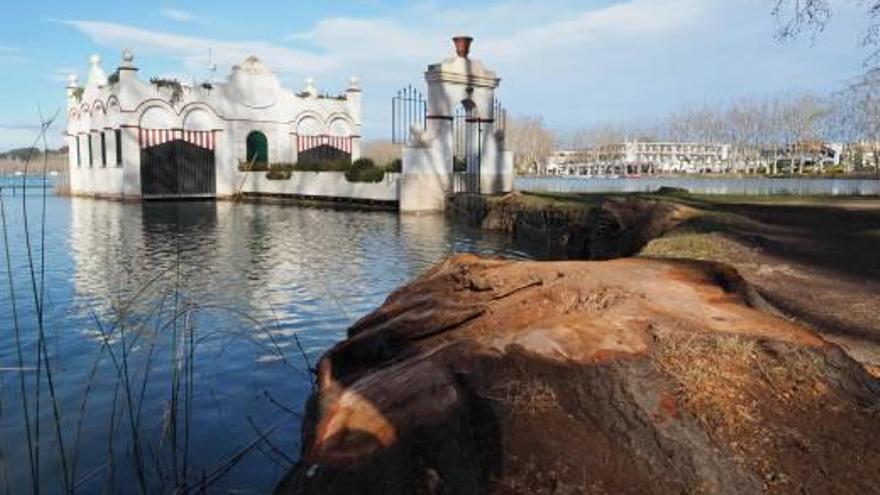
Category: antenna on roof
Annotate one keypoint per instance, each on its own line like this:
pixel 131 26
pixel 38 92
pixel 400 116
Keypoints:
pixel 212 67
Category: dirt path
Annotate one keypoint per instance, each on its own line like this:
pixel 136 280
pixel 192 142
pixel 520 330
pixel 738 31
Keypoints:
pixel 817 260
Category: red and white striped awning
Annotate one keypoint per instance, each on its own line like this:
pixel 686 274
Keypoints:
pixel 342 143
pixel 153 137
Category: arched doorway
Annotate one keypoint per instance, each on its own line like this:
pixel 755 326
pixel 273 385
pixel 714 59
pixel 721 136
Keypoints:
pixel 175 163
pixel 257 148
pixel 321 145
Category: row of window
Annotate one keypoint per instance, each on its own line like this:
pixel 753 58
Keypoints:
pixel 257 148
pixel 118 140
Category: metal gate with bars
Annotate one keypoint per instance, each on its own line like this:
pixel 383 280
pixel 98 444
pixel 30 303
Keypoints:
pixel 468 133
pixel 408 109
pixel 177 164
pixel 324 148
pixel 467 152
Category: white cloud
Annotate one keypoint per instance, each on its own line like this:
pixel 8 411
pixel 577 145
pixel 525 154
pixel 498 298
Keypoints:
pixel 527 42
pixel 515 32
pixel 12 55
pixel 60 74
pixel 192 51
pixel 371 39
pixel 385 47
pixel 573 64
pixel 593 29
pixel 178 15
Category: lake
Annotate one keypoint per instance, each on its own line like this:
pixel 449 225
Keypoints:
pixel 179 335
pixel 747 186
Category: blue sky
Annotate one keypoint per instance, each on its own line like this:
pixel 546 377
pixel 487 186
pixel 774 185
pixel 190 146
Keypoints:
pixel 575 63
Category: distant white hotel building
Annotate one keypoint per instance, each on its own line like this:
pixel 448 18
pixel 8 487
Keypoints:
pixel 138 139
pixel 639 158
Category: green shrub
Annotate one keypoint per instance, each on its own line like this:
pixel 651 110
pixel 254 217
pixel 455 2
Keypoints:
pixel 278 174
pixel 364 170
pixel 246 166
pixel 395 166
pixel 338 165
pixel 280 171
pixel 173 84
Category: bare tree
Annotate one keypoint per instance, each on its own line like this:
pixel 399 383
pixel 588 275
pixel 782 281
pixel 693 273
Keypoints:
pixel 382 151
pixel 531 142
pixel 589 137
pixel 793 127
pixel 861 110
pixel 796 16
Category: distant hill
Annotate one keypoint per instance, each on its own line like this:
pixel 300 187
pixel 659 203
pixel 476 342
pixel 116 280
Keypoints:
pixel 14 160
pixel 23 153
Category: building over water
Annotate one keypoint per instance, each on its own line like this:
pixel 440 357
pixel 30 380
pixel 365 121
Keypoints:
pixel 160 138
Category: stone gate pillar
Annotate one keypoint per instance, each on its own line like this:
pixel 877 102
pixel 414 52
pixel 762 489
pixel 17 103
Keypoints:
pixel 458 81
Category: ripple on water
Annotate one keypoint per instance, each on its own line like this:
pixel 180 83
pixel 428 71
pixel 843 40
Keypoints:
pixel 258 290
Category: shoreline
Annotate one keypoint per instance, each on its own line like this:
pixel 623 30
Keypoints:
pixel 522 365
pixel 792 248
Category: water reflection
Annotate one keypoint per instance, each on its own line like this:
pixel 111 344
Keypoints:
pixel 217 308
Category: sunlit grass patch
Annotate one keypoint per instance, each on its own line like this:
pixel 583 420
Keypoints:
pixel 728 381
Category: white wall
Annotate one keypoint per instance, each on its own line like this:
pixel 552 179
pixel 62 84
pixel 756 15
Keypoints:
pixel 97 181
pixel 426 177
pixel 323 184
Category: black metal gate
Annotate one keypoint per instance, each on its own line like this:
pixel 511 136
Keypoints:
pixel 408 109
pixel 177 169
pixel 467 153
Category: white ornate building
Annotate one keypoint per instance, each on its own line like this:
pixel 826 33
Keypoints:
pixel 131 138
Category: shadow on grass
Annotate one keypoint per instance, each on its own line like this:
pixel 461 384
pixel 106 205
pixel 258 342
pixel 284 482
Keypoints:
pixel 826 236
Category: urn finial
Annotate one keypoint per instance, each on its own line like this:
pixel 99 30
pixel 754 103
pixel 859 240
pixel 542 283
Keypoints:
pixel 463 45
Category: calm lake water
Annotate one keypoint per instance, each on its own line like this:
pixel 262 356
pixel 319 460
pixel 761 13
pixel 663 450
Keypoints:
pixel 178 334
pixel 190 324
pixel 703 185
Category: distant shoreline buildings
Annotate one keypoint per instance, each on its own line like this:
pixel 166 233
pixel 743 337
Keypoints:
pixel 659 158
pixel 639 158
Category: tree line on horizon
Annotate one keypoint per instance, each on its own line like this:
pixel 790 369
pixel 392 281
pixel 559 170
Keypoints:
pixel 15 160
pixel 750 125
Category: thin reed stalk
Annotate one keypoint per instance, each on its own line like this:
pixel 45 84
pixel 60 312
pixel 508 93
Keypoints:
pixel 175 371
pixel 38 291
pixel 272 447
pixel 18 349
